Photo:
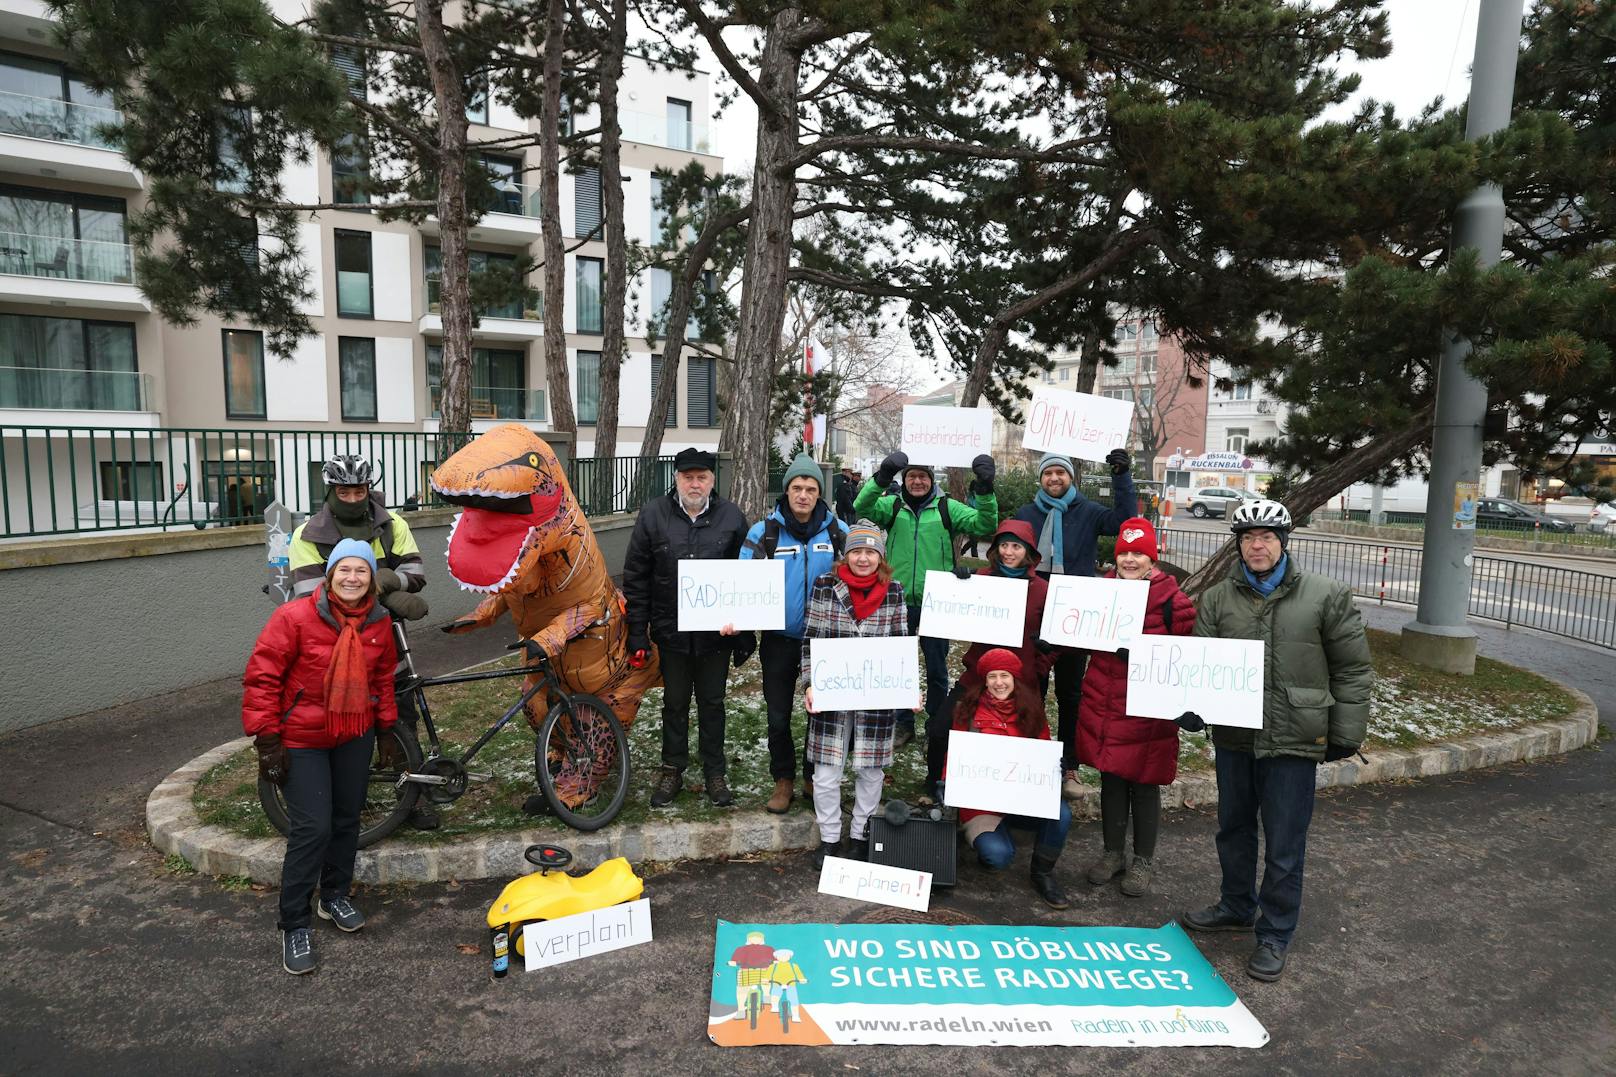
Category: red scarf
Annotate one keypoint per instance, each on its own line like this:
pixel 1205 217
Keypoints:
pixel 997 716
pixel 866 591
pixel 347 681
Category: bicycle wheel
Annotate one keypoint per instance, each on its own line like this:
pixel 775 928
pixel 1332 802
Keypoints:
pixel 754 1003
pixel 385 805
pixel 582 762
pixel 785 1013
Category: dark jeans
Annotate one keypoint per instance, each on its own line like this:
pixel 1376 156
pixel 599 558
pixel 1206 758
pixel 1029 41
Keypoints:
pixel 781 658
pixel 935 653
pixel 324 790
pixel 1280 790
pixel 996 849
pixel 1069 666
pixel 938 727
pixel 1118 798
pixel 704 676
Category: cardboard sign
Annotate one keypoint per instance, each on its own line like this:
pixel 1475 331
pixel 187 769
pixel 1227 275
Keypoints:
pixel 1095 613
pixel 746 594
pixel 585 934
pixel 946 437
pixel 1077 424
pixel 880 673
pixel 880 883
pixel 981 609
pixel 1003 775
pixel 1219 679
pixel 279 523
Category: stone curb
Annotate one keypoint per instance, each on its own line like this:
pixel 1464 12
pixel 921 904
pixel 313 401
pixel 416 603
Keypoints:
pixel 172 822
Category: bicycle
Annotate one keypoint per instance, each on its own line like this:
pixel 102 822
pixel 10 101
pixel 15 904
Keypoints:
pixel 580 733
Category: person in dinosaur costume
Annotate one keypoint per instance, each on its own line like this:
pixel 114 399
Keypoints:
pixel 522 538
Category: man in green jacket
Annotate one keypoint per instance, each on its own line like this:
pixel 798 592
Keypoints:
pixel 920 522
pixel 1316 681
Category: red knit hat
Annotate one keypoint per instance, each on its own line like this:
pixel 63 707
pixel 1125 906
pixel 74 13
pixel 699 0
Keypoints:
pixel 999 658
pixel 1137 536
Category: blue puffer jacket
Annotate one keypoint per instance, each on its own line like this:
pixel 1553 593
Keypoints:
pixel 805 561
pixel 1085 521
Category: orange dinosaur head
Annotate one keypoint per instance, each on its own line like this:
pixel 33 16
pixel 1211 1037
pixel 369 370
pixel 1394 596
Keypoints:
pixel 515 498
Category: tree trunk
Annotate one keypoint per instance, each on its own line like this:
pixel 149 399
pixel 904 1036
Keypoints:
pixel 611 184
pixel 767 264
pixel 562 416
pixel 449 92
pixel 1321 487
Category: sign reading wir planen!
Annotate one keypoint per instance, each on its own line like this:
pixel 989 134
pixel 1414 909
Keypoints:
pixel 979 985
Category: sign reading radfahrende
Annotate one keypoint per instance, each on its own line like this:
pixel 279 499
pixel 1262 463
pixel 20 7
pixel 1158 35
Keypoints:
pixel 746 594
pixel 1002 985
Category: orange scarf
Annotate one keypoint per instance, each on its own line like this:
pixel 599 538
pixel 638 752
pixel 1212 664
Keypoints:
pixel 347 681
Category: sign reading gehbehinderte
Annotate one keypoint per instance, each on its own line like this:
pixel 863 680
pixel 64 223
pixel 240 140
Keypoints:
pixel 978 609
pixel 1219 679
pixel 1092 612
pixel 945 437
pixel 1004 775
pixel 750 595
pixel 876 673
pixel 1076 424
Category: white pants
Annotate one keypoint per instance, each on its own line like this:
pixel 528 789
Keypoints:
pixel 828 800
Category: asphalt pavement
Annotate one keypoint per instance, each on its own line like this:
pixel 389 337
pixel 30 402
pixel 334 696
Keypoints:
pixel 1455 925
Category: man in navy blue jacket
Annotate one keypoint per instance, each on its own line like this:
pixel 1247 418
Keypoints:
pixel 1067 525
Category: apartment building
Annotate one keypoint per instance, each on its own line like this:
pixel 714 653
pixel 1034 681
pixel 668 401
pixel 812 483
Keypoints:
pixel 1236 418
pixel 95 382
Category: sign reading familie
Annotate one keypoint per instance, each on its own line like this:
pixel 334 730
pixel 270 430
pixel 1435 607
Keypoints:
pixel 1094 613
pixel 747 594
pixel 878 673
pixel 1219 679
pixel 977 609
pixel 946 437
pixel 1003 775
pixel 1077 424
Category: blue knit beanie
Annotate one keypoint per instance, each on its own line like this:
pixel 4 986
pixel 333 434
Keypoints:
pixel 351 548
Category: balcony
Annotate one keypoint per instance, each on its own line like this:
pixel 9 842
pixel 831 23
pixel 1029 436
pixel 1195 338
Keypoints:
pixel 652 130
pixel 52 389
pixel 49 137
pixel 510 217
pixel 88 273
pixel 491 406
pixel 507 323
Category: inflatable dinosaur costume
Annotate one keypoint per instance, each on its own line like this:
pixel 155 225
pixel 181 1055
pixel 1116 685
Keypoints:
pixel 522 538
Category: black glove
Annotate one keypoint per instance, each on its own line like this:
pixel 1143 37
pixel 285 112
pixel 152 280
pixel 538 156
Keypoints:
pixel 745 643
pixel 389 752
pixel 1334 751
pixel 1119 461
pixel 462 625
pixel 985 470
pixel 1190 722
pixel 533 649
pixel 404 605
pixel 271 758
pixel 1045 647
pixel 889 469
pixel 639 641
pixel 1123 654
pixel 388 581
pixel 963 572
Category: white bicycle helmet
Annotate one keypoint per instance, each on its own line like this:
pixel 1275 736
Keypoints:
pixel 346 469
pixel 1262 513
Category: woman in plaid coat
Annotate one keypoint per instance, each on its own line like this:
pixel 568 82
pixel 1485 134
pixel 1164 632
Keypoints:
pixel 857 598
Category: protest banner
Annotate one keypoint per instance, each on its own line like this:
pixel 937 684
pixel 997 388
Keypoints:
pixel 945 437
pixel 880 883
pixel 1077 424
pixel 750 595
pixel 1004 775
pixel 972 985
pixel 1219 679
pixel 865 674
pixel 585 934
pixel 978 609
pixel 1094 613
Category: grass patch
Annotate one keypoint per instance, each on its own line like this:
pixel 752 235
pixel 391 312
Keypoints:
pixel 1411 706
pixel 178 866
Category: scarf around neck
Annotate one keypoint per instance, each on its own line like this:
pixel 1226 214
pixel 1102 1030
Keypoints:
pixel 347 681
pixel 866 591
pixel 1266 585
pixel 794 527
pixel 996 716
pixel 1052 539
pixel 1014 573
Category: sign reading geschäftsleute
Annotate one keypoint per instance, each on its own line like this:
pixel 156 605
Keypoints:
pixel 865 673
pixel 977 609
pixel 750 595
pixel 945 437
pixel 1077 424
pixel 1219 679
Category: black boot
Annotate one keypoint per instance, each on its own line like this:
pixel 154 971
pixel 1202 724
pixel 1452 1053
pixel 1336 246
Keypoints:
pixel 1043 881
pixel 826 848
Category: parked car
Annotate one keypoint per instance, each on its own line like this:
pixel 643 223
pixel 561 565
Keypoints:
pixel 1217 500
pixel 1501 514
pixel 1601 518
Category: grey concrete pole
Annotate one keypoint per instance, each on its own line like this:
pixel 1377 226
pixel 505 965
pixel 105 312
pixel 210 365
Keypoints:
pixel 1440 635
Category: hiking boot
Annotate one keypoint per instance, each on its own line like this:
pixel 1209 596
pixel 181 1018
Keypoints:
pixel 1043 882
pixel 1071 788
pixel 1267 962
pixel 780 799
pixel 1214 918
pixel 826 848
pixel 297 951
pixel 858 849
pixel 1139 874
pixel 670 781
pixel 341 911
pixel 1108 867
pixel 423 817
pixel 718 791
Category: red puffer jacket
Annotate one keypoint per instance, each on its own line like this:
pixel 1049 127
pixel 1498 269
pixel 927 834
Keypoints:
pixel 283 690
pixel 1108 739
pixel 988 720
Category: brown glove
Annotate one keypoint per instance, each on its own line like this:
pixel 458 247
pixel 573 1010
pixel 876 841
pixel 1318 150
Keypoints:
pixel 389 751
pixel 388 581
pixel 271 758
pixel 404 605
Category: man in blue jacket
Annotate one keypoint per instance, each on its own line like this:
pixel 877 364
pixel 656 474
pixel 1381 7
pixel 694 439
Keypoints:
pixel 802 532
pixel 1067 525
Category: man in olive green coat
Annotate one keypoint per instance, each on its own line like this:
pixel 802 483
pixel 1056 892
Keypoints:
pixel 1316 681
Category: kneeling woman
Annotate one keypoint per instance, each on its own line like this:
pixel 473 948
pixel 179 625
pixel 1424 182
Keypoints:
pixel 318 684
pixel 1003 704
pixel 859 598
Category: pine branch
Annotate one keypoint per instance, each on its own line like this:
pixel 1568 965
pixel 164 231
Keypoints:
pixel 811 150
pixel 713 31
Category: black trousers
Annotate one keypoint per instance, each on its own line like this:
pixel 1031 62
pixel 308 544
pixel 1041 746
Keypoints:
pixel 781 658
pixel 705 677
pixel 1069 667
pixel 324 790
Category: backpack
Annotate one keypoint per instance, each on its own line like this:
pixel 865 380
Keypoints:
pixel 771 537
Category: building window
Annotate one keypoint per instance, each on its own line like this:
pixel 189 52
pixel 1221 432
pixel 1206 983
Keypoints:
pixel 1147 362
pixel 498 384
pixel 1235 438
pixel 43 99
pixel 1149 329
pixel 478 262
pixel 60 234
pixel 1118 394
pixel 350 170
pixel 659 212
pixel 354 294
pixel 69 364
pixel 477 98
pixel 231 138
pixel 356 363
pixel 244 374
pixel 673 401
pixel 505 174
pixel 678 124
pixel 589 309
pixel 139 480
pixel 1242 390
pixel 586 206
pixel 588 387
pixel 701 401
pixel 1066 373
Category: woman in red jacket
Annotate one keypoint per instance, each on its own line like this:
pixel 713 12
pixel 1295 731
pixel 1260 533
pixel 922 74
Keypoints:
pixel 318 684
pixel 1000 702
pixel 1135 756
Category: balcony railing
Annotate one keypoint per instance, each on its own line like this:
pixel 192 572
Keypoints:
pixel 56 120
pixel 434 287
pixel 55 389
pixel 653 130
pixel 516 199
pixel 487 402
pixel 98 260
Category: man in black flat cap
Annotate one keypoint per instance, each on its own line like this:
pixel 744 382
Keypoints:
pixel 691 522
